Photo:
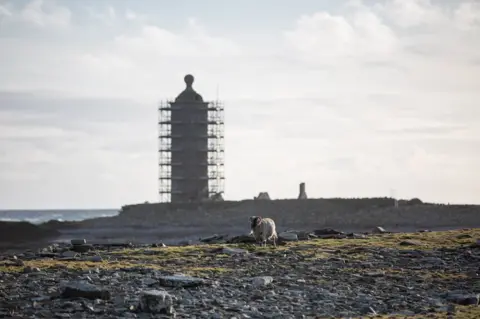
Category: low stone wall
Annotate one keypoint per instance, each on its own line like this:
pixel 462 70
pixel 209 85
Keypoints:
pixel 302 214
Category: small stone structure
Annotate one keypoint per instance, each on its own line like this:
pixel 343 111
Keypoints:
pixel 263 196
pixel 302 194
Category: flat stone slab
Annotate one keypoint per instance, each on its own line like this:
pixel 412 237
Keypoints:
pixel 83 289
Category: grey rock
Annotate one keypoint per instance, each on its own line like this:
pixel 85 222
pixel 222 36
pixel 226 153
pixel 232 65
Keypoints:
pixel 82 248
pixel 262 281
pixel 181 281
pixel 157 302
pixel 327 231
pixel 215 239
pixel 95 259
pixel 78 241
pixel 29 270
pixel 69 254
pixel 83 289
pixel 378 230
pixel 464 299
pixel 242 239
pixel 287 236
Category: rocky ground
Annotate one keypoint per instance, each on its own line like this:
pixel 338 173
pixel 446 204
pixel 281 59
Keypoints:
pixel 423 274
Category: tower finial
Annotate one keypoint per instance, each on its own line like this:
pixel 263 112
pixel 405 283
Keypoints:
pixel 189 80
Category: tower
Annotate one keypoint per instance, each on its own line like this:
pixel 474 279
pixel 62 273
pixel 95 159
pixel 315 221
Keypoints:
pixel 191 148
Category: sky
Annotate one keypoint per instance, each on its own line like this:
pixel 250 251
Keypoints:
pixel 354 98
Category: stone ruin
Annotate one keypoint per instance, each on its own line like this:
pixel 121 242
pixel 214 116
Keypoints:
pixel 302 194
pixel 262 196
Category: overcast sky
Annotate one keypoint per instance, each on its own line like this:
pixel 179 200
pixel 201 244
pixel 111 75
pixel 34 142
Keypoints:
pixel 353 98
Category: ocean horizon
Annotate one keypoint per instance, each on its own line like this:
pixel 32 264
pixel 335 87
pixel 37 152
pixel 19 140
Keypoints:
pixel 39 216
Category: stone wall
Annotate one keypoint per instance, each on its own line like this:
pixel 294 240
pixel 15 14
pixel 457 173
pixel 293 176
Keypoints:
pixel 355 214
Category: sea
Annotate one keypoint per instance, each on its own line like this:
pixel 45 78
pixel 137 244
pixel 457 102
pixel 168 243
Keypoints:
pixel 39 216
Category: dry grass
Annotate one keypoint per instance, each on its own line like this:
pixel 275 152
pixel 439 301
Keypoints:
pixel 200 257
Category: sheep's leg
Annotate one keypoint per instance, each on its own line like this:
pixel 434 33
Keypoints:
pixel 275 242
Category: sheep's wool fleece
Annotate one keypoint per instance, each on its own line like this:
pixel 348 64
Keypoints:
pixel 265 230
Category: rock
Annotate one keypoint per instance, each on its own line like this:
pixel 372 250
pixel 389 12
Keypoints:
pixel 159 245
pixel 286 236
pixel 82 248
pixel 29 270
pixel 181 281
pixel 464 299
pixel 332 236
pixel 83 289
pixel 242 239
pixel 409 242
pixel 215 239
pixel 149 281
pixel 296 281
pixel 69 254
pixel 378 230
pixel 157 302
pixel 233 251
pixel 262 281
pixel 327 231
pixel 356 236
pixel 303 235
pixel 95 259
pixel 78 241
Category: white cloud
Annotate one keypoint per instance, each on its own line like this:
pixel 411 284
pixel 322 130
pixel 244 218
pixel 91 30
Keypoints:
pixel 353 101
pixel 413 13
pixel 46 13
pixel 106 16
pixel 4 12
pixel 467 16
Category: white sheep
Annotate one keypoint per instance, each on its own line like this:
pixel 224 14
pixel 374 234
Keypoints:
pixel 263 229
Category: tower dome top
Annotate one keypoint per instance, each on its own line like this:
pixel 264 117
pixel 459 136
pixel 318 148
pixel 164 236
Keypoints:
pixel 189 94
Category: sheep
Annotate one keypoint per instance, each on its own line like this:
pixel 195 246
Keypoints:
pixel 263 229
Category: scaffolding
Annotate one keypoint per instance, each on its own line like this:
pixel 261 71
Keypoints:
pixel 215 148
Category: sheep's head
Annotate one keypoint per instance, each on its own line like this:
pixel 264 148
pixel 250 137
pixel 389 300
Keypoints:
pixel 255 221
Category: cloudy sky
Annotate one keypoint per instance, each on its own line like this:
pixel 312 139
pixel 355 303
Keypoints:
pixel 355 98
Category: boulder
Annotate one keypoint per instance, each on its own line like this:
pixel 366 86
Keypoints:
pixel 156 302
pixel 287 236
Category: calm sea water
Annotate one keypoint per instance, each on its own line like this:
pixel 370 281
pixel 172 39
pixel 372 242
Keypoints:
pixel 41 216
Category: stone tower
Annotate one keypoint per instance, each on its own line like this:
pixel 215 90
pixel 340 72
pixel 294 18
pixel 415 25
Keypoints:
pixel 191 136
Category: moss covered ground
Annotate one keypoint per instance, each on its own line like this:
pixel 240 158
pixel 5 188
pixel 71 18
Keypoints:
pixel 209 261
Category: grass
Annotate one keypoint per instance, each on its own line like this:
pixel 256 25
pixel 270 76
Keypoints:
pixel 199 258
pixel 208 261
